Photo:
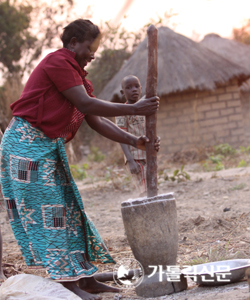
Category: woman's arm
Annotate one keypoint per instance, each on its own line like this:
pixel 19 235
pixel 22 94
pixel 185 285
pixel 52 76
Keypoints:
pixel 78 96
pixel 108 129
pixel 114 133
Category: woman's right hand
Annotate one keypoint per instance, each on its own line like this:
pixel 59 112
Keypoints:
pixel 147 106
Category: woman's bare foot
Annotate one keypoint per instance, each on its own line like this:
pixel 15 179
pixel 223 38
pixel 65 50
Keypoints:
pixel 72 286
pixel 90 285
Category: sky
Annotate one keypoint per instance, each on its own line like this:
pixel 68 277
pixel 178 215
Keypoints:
pixel 195 18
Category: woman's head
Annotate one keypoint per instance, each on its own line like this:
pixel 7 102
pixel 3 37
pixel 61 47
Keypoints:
pixel 82 30
pixel 82 37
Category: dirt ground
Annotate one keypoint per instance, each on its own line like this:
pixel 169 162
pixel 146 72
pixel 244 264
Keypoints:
pixel 213 220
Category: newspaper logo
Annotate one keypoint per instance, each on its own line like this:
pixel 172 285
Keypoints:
pixel 128 273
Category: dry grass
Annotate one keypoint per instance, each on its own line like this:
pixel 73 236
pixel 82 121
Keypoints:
pixel 11 91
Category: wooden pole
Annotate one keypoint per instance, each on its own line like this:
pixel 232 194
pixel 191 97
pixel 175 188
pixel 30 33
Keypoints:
pixel 151 90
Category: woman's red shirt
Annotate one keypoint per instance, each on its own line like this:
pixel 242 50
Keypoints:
pixel 43 105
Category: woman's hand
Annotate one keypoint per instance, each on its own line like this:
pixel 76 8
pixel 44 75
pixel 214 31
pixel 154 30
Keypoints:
pixel 142 140
pixel 147 106
pixel 78 96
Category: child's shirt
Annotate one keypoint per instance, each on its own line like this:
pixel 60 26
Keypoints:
pixel 135 125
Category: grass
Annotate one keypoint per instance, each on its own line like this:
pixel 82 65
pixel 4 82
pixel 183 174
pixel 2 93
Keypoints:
pixel 218 253
pixel 240 186
pixel 224 156
pixel 96 155
pixel 79 171
pixel 178 175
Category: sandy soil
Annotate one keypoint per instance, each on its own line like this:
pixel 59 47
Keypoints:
pixel 213 219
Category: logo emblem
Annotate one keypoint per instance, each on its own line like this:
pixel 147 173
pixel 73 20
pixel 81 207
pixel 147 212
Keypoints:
pixel 128 273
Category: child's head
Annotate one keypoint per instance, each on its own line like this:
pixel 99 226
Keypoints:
pixel 82 30
pixel 131 88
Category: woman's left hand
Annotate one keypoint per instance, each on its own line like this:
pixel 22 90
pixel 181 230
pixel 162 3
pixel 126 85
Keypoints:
pixel 142 140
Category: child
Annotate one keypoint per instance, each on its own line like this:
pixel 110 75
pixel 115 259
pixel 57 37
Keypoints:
pixel 135 159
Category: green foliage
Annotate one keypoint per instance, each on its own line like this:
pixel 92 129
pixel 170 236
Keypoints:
pixel 104 67
pixel 242 164
pixel 14 24
pixel 224 149
pixel 28 27
pixel 216 159
pixel 178 175
pixel 116 47
pixel 240 186
pixel 79 172
pixel 245 149
pixel 225 156
pixel 95 154
pixel 217 165
pixel 220 153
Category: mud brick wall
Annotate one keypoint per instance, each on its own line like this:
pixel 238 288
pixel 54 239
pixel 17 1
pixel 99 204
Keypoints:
pixel 196 119
pixel 245 105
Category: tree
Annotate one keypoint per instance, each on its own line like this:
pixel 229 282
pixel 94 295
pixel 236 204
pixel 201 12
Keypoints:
pixel 242 34
pixel 116 47
pixel 114 50
pixel 14 24
pixel 26 28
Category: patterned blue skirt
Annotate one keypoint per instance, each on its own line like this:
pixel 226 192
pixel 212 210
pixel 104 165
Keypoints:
pixel 45 208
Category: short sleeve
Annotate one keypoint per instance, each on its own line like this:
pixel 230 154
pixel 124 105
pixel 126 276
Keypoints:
pixel 62 72
pixel 121 122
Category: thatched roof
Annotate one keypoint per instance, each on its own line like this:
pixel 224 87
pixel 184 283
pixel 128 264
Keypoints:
pixel 182 65
pixel 232 50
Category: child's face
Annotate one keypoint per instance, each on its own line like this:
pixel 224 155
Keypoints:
pixel 131 88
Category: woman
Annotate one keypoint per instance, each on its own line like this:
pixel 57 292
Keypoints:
pixel 44 205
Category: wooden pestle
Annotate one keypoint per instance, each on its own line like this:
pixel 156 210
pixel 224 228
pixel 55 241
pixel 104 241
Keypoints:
pixel 151 91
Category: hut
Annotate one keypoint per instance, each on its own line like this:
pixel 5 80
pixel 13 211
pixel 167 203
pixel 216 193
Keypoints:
pixel 198 90
pixel 238 53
